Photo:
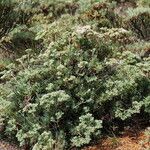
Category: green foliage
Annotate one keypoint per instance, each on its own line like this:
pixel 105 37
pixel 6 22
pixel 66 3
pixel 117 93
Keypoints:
pixel 82 132
pixel 147 104
pixel 104 15
pixel 78 65
pixel 52 95
pixel 10 16
pixel 144 3
pixel 138 21
pixel 46 141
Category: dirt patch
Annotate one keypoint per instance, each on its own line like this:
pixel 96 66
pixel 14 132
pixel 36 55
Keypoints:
pixel 125 142
pixel 7 146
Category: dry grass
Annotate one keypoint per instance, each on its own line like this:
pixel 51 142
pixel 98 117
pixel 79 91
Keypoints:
pixel 126 142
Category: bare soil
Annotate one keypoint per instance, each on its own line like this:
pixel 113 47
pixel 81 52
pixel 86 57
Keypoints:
pixel 127 141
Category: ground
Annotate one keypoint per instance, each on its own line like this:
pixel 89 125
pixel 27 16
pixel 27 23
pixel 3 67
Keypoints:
pixel 128 141
pixel 6 146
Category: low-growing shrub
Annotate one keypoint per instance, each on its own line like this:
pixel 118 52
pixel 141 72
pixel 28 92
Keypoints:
pixel 61 96
pixel 145 3
pixel 138 22
pixel 19 39
pixel 80 71
pixel 103 13
pixel 21 20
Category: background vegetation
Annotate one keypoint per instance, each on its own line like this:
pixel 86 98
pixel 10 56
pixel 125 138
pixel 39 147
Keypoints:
pixel 72 71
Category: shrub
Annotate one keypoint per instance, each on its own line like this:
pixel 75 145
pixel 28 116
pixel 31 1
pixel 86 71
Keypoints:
pixel 59 92
pixel 144 3
pixel 139 47
pixel 103 13
pixel 19 39
pixel 138 22
pixel 10 16
pixel 20 21
pixel 80 71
